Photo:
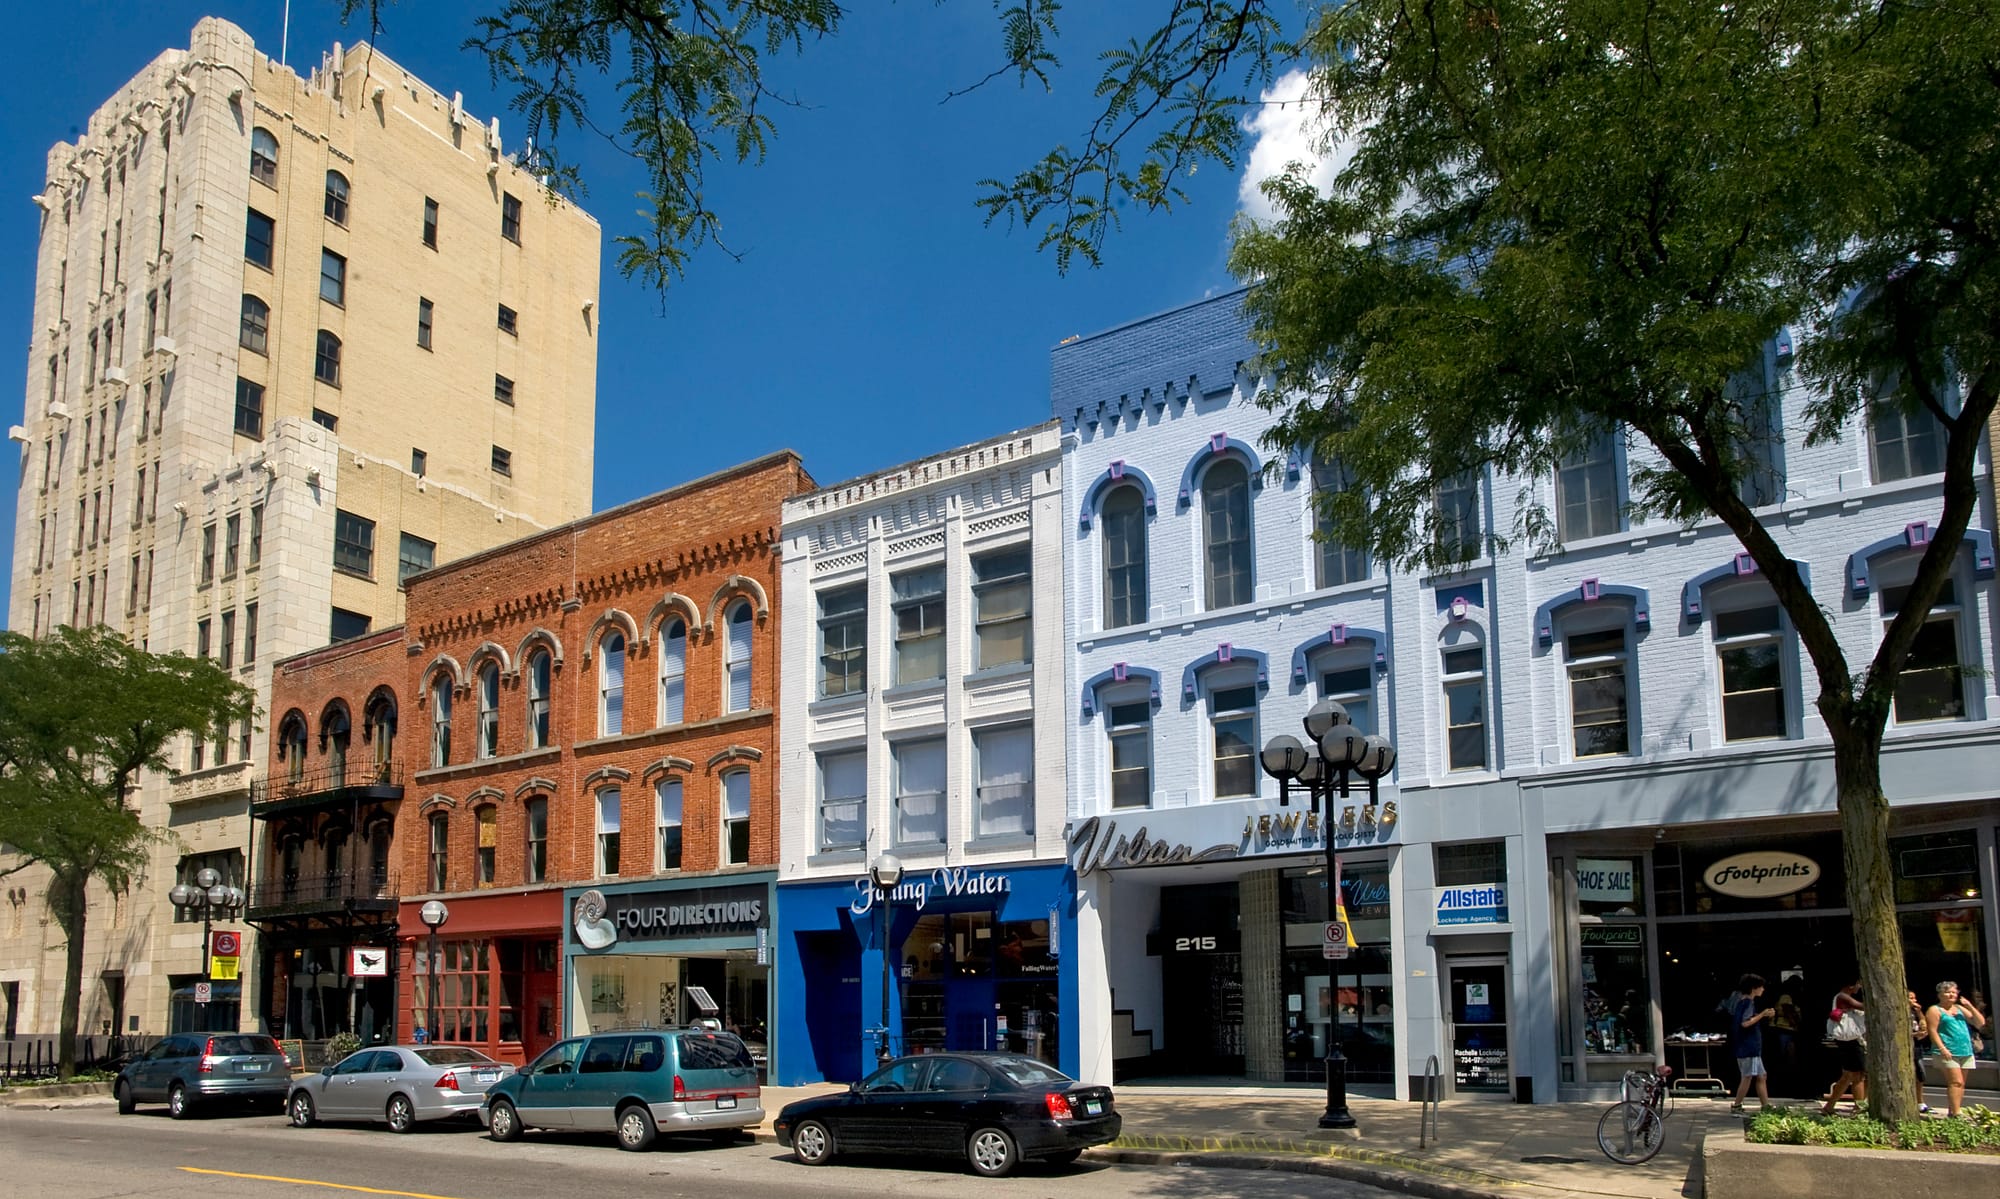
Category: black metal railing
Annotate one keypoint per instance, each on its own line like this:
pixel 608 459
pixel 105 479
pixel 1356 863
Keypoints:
pixel 27 1057
pixel 342 888
pixel 325 781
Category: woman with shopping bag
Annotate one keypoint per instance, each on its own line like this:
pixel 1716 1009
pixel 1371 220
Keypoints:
pixel 1847 1027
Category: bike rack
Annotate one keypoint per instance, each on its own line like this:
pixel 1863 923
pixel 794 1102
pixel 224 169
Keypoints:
pixel 1427 1115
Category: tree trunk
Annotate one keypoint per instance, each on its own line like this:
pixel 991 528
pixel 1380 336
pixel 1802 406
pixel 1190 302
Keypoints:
pixel 1871 897
pixel 70 910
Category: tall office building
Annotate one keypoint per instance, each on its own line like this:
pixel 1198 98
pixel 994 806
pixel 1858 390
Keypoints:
pixel 294 339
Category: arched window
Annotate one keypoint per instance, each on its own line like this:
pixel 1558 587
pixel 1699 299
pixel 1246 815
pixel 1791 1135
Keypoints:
pixel 335 733
pixel 255 334
pixel 673 671
pixel 441 720
pixel 292 747
pixel 264 156
pixel 326 359
pixel 487 821
pixel 1225 531
pixel 738 618
pixel 1125 600
pixel 336 197
pixel 381 718
pixel 440 855
pixel 489 709
pixel 611 686
pixel 538 699
pixel 736 818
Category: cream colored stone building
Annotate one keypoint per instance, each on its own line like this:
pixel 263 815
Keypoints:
pixel 293 338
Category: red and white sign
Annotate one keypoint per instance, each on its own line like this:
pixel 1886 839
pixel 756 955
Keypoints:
pixel 224 943
pixel 367 963
pixel 203 992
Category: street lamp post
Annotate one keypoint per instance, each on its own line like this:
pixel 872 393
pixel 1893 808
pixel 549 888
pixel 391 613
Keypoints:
pixel 209 895
pixel 434 913
pixel 886 872
pixel 1344 751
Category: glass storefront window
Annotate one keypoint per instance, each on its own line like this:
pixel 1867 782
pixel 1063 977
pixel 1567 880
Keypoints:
pixel 1936 867
pixel 1609 887
pixel 1617 1003
pixel 1679 874
pixel 1353 1000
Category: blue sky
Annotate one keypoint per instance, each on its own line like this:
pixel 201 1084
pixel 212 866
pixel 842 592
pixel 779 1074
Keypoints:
pixel 873 318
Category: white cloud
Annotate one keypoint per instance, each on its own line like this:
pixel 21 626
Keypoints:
pixel 1288 127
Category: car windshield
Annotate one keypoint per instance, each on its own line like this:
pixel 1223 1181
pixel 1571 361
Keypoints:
pixel 1027 1072
pixel 239 1046
pixel 714 1051
pixel 451 1056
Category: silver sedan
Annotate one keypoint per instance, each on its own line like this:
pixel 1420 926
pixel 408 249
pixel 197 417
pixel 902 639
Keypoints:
pixel 398 1085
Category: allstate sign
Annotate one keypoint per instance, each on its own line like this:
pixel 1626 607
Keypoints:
pixel 1484 904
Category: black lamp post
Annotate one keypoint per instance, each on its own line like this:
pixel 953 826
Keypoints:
pixel 209 895
pixel 434 913
pixel 1344 751
pixel 885 874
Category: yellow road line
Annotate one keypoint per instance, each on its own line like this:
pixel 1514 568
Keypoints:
pixel 312 1182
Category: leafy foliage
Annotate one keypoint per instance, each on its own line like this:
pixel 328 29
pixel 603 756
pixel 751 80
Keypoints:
pixel 1978 1132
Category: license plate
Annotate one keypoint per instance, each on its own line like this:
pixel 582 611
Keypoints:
pixel 1091 1107
pixel 724 1102
pixel 251 1067
pixel 488 1076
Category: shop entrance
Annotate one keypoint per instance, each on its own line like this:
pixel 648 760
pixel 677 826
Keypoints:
pixel 1476 999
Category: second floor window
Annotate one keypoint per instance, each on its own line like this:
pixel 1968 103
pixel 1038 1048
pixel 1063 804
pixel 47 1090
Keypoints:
pixel 1001 608
pixel 1004 795
pixel 1749 653
pixel 667 800
pixel 843 800
pixel 537 864
pixel 486 853
pixel 440 855
pixel 920 813
pixel 1234 722
pixel 607 832
pixel 611 686
pixel 441 720
pixel 736 818
pixel 1465 707
pixel 489 709
pixel 1132 754
pixel 1226 536
pixel 1932 683
pixel 353 543
pixel 843 641
pixel 1597 664
pixel 919 608
pixel 1125 596
pixel 538 699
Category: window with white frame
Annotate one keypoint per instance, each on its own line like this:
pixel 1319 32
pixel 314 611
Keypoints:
pixel 440 851
pixel 1904 441
pixel 538 699
pixel 917 598
pixel 1004 795
pixel 1131 735
pixel 441 720
pixel 1233 721
pixel 736 818
pixel 489 709
pixel 1597 663
pixel 1587 499
pixel 1749 655
pixel 264 156
pixel 1348 678
pixel 1124 520
pixel 1002 608
pixel 1455 508
pixel 1226 535
pixel 1336 563
pixel 1464 679
pixel 1932 683
pixel 843 641
pixel 919 792
pixel 611 685
pixel 608 815
pixel 673 670
pixel 536 843
pixel 667 799
pixel 843 800
pixel 738 619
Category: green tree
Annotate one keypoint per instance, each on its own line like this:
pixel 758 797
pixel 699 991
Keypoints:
pixel 1563 220
pixel 82 712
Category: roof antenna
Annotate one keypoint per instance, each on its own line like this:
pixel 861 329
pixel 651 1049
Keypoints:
pixel 285 39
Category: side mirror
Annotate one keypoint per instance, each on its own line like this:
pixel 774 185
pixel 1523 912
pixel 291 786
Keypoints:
pixel 327 1071
pixel 854 1088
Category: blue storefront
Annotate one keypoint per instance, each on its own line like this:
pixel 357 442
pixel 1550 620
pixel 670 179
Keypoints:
pixel 977 963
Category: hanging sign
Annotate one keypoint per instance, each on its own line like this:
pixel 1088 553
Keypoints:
pixel 224 969
pixel 367 963
pixel 1765 874
pixel 225 943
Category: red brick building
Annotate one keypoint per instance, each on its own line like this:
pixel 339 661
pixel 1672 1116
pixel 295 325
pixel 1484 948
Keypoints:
pixel 590 707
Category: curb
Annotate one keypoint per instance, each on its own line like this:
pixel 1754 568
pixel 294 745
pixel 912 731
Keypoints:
pixel 28 1096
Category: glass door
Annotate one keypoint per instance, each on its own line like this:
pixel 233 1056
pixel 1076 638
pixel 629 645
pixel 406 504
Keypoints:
pixel 1476 996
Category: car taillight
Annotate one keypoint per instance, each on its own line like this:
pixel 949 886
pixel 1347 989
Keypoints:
pixel 680 1088
pixel 1059 1106
pixel 207 1057
pixel 447 1081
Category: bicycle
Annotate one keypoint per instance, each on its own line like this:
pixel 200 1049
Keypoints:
pixel 1632 1130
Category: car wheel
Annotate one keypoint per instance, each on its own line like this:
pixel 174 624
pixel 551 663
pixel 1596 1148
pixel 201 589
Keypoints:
pixel 402 1114
pixel 177 1102
pixel 126 1104
pixel 991 1152
pixel 1066 1157
pixel 503 1123
pixel 812 1143
pixel 301 1107
pixel 635 1127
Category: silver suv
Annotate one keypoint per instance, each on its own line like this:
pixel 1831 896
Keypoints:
pixel 190 1069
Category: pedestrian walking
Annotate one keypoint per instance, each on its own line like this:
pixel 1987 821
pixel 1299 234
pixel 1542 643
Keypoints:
pixel 1951 1020
pixel 1920 1035
pixel 1846 1025
pixel 1746 1041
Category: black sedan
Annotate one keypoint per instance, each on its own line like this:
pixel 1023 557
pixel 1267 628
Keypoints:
pixel 994 1109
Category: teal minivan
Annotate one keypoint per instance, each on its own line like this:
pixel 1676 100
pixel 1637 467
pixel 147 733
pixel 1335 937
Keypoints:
pixel 637 1084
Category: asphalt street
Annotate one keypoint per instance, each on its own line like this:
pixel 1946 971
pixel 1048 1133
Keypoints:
pixel 90 1152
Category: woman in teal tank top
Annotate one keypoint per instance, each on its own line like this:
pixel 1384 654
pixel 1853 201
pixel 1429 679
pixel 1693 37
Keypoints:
pixel 1951 1022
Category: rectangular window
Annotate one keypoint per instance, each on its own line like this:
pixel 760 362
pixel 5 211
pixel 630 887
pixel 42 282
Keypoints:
pixel 1931 685
pixel 1004 802
pixel 249 633
pixel 487 822
pixel 440 851
pixel 1002 608
pixel 1353 688
pixel 138 501
pixel 131 592
pixel 736 818
pixel 510 217
pixel 1338 564
pixel 424 311
pixel 332 277
pixel 256 530
pixel 202 639
pixel 1748 650
pixel 420 463
pixel 1460 536
pixel 346 626
pixel 249 408
pixel 920 813
pixel 430 222
pixel 1132 754
pixel 1475 864
pixel 843 800
pixel 232 537
pixel 1235 724
pixel 207 554
pixel 503 390
pixel 260 234
pixel 1465 708
pixel 228 643
pixel 538 840
pixel 1905 443
pixel 667 825
pixel 843 641
pixel 503 462
pixel 917 599
pixel 509 322
pixel 353 543
pixel 1597 699
pixel 607 832
pixel 414 556
pixel 1587 491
